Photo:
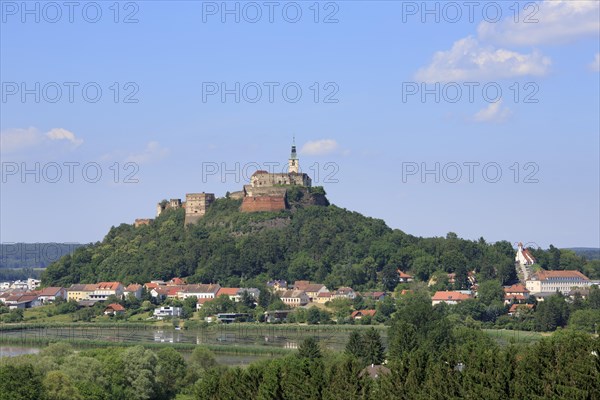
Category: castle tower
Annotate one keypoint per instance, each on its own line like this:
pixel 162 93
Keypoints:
pixel 293 164
pixel 196 205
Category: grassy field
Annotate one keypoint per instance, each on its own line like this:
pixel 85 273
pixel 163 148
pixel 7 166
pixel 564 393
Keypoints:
pixel 505 337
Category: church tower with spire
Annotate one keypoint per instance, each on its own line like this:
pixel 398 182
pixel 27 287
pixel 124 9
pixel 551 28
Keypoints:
pixel 293 164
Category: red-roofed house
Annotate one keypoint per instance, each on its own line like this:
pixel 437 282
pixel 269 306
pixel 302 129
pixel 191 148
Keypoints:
pixel 448 297
pixel 404 277
pixel 358 314
pixel 550 281
pixel 202 301
pixel 344 293
pixel 323 297
pixel 523 256
pixel 232 293
pixel 114 309
pixel 134 289
pixel 515 309
pixel 104 289
pixel 176 282
pixel 515 293
pixel 50 294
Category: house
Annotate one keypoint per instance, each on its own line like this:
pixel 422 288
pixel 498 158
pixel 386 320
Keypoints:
pixel 176 282
pixel 404 277
pixel 516 309
pixel 359 314
pixel 323 297
pixel 523 256
pixel 312 290
pixel 135 290
pixel 200 291
pixel 252 292
pixel 515 293
pixel 344 293
pixel 449 297
pixel 103 290
pixel 232 293
pixel 295 298
pixel 22 300
pixel 552 281
pixel 277 285
pixel 377 296
pixel 114 309
pixel 374 371
pixel 79 292
pixel 581 292
pixel 201 302
pixel 50 294
pixel 159 292
pixel 167 312
pixel 300 285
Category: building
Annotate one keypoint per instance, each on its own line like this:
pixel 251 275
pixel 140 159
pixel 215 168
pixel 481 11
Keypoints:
pixel 50 294
pixel 114 309
pixel 551 281
pixel 404 277
pixel 314 289
pixel 517 293
pixel 135 290
pixel 523 256
pixel 200 291
pixel 79 292
pixel 142 222
pixel 267 191
pixel 277 285
pixel 517 309
pixel 167 312
pixel 359 314
pixel 295 298
pixel 196 205
pixel 323 297
pixel 103 290
pixel 344 293
pixel 449 297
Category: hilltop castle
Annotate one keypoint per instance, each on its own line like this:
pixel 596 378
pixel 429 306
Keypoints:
pixel 266 192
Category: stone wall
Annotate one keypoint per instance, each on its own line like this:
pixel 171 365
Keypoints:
pixel 196 205
pixel 267 203
pixel 142 221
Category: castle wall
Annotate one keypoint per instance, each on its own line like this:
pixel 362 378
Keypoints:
pixel 267 203
pixel 142 221
pixel 196 205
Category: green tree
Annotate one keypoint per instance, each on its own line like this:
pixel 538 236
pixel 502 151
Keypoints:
pixel 490 291
pixel 58 386
pixel 355 346
pixel 170 369
pixel 20 382
pixel 374 352
pixel 309 348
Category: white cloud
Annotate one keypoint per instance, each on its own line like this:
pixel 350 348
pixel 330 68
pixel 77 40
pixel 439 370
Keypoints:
pixel 470 60
pixel 13 140
pixel 492 113
pixel 319 147
pixel 63 134
pixel 595 65
pixel 152 152
pixel 558 22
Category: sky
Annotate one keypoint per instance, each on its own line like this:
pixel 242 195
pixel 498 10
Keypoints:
pixel 479 118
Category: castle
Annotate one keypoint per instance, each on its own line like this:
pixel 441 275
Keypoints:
pixel 265 192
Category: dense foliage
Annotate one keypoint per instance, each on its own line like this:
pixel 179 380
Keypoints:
pixel 429 355
pixel 324 244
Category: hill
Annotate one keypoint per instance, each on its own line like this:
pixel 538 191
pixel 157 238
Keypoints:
pixel 321 243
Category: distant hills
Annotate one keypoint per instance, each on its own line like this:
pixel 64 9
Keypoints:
pixel 590 253
pixel 33 255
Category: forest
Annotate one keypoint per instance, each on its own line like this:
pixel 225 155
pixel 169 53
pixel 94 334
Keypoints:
pixel 330 245
pixel 429 355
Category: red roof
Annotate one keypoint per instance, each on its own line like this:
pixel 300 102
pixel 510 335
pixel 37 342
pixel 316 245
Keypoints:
pixel 50 291
pixel 363 313
pixel 177 281
pixel 229 291
pixel 324 294
pixel 517 288
pixel 203 300
pixel 403 275
pixel 514 307
pixel 260 172
pixel 134 287
pixel 450 296
pixel 543 275
pixel 115 307
pixel 151 285
pixel 514 297
pixel 108 285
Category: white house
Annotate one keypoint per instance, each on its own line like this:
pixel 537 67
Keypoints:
pixel 552 281
pixel 167 312
pixel 50 294
pixel 200 291
pixel 295 298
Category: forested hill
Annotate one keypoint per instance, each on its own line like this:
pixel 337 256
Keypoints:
pixel 324 244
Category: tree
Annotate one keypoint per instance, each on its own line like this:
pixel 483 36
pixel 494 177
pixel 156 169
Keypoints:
pixel 19 382
pixel 490 291
pixel 374 352
pixel 402 339
pixel 58 386
pixel 309 348
pixel 313 316
pixel 170 370
pixel 389 278
pixel 355 346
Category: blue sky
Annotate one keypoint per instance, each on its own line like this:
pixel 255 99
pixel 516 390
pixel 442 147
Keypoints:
pixel 366 135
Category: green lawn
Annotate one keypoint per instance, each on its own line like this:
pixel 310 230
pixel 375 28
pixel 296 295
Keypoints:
pixel 505 337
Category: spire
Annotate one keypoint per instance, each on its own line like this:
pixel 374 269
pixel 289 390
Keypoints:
pixel 293 156
pixel 293 162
